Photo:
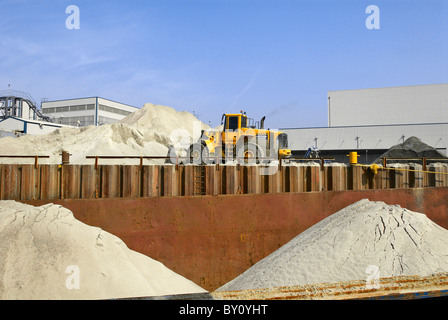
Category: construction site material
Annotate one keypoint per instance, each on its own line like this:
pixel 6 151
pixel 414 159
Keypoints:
pixel 412 147
pixel 349 245
pixel 220 237
pixel 147 132
pixel 45 253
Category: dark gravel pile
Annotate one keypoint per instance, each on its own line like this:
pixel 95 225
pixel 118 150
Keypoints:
pixel 413 147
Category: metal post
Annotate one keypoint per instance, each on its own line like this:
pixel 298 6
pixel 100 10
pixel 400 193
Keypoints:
pixel 65 158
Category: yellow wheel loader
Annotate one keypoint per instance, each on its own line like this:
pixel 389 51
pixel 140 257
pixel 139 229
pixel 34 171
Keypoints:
pixel 241 139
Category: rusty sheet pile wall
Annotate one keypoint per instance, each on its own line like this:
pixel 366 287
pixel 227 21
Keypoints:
pixel 46 182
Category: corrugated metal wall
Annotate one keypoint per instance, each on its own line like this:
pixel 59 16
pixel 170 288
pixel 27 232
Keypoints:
pixel 376 119
pixel 384 106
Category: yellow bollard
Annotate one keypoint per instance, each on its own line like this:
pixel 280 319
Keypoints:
pixel 353 157
pixel 374 167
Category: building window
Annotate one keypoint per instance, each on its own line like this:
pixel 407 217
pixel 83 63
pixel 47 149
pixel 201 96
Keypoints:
pixel 114 110
pixel 76 121
pixel 49 110
pixel 105 120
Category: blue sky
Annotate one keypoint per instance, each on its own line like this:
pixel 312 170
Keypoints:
pixel 274 58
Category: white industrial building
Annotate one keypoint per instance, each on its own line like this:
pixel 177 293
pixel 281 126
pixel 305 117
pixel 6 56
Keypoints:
pixel 370 121
pixel 15 127
pixel 86 111
pixel 19 113
pixel 19 104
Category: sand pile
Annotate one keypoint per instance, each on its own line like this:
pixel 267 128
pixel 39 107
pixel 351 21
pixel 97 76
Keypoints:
pixel 147 132
pixel 45 253
pixel 162 121
pixel 413 147
pixel 344 246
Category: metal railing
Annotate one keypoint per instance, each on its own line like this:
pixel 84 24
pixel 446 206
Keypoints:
pixel 36 158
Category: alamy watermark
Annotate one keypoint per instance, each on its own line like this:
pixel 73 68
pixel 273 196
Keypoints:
pixel 373 278
pixel 73 21
pixel 373 20
pixel 72 282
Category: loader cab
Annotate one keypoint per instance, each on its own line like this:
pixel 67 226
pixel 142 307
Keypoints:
pixel 234 121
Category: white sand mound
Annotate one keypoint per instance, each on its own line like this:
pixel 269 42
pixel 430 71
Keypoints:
pixel 164 120
pixel 45 253
pixel 146 132
pixel 396 241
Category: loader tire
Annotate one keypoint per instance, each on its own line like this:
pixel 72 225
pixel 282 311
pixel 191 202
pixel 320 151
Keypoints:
pixel 249 153
pixel 198 154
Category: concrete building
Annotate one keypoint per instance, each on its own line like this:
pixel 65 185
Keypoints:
pixel 19 113
pixel 86 111
pixel 371 121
